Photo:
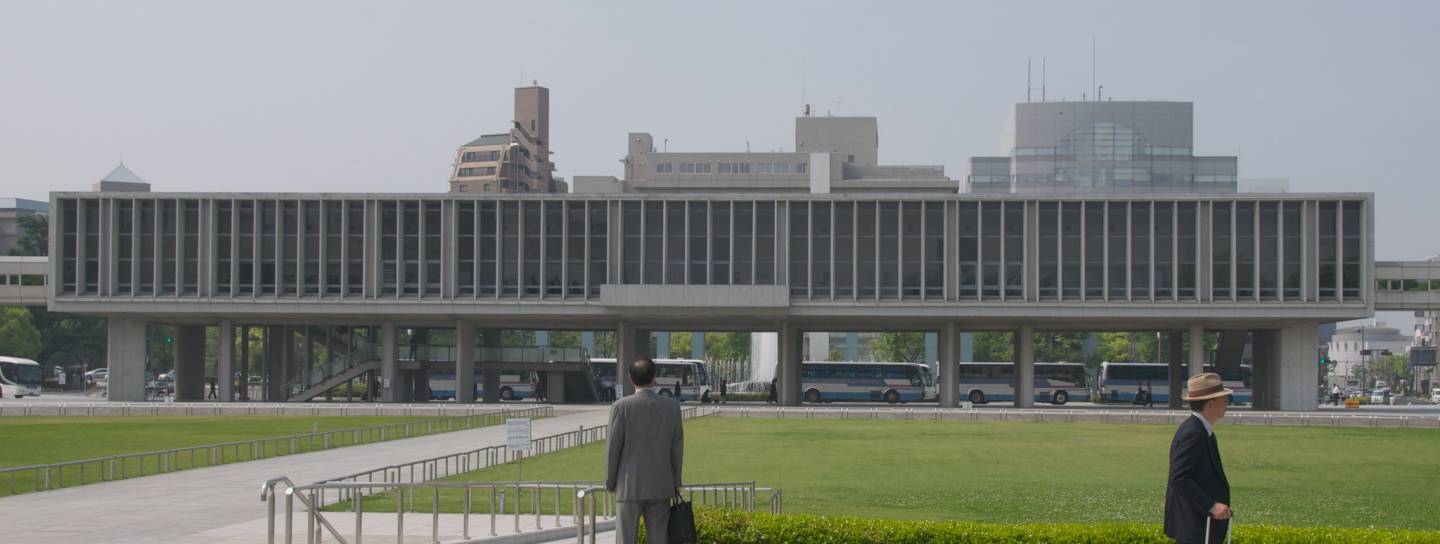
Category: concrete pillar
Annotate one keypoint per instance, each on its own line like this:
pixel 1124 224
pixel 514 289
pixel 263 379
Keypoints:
pixel 189 362
pixel 630 344
pixel 789 368
pixel 662 345
pixel 277 342
pixel 1264 352
pixel 555 387
pixel 389 366
pixel 1197 349
pixel 949 365
pixel 852 346
pixel 967 347
pixel 464 362
pixel 490 341
pixel 245 363
pixel 225 365
pixel 1177 369
pixel 125 357
pixel 587 341
pixel 932 348
pixel 1296 380
pixel 697 345
pixel 1025 366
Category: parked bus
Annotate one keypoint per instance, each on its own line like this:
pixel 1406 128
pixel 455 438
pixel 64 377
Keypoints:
pixel 513 385
pixel 851 381
pixel 1121 382
pixel 690 374
pixel 1055 383
pixel 20 378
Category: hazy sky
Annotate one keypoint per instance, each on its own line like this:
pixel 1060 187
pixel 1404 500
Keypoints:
pixel 366 96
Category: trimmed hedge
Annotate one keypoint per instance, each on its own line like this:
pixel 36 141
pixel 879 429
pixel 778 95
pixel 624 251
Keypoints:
pixel 732 527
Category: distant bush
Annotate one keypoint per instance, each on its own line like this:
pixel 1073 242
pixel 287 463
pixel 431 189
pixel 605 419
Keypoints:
pixel 731 527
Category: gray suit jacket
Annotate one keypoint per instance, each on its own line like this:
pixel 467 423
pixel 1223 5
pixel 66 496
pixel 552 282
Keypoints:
pixel 646 449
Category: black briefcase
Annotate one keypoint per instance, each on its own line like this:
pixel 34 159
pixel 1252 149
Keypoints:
pixel 681 529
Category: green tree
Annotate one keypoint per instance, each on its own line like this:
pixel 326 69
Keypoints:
pixel 33 239
pixel 1129 346
pixel 904 347
pixel 605 345
pixel 18 335
pixel 565 339
pixel 727 346
pixel 1389 368
pixel 680 344
pixel 1053 347
pixel 70 339
pixel 993 346
pixel 835 355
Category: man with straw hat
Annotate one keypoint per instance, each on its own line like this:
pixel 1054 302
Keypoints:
pixel 1197 495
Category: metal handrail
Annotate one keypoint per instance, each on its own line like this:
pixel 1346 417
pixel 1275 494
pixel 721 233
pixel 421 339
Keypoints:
pixel 517 500
pixel 45 477
pixel 331 368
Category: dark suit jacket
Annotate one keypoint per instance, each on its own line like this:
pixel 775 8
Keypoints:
pixel 1197 481
pixel 646 447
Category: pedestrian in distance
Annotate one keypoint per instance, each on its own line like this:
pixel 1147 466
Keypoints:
pixel 1335 395
pixel 722 392
pixel 1197 494
pixel 213 389
pixel 676 393
pixel 772 399
pixel 644 457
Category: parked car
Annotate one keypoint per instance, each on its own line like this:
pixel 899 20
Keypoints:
pixel 1380 396
pixel 1435 394
pixel 99 375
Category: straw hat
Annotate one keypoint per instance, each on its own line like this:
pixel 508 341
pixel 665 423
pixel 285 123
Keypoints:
pixel 1205 386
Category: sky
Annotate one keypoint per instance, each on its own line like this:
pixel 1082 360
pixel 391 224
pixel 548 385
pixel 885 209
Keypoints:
pixel 358 96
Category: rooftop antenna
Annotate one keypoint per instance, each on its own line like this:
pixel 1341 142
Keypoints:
pixel 802 89
pixel 1029 87
pixel 1092 68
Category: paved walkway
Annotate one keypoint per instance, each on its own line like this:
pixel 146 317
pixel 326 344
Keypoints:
pixel 189 506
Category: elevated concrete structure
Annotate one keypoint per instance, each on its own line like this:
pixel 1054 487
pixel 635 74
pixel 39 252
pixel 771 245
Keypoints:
pixel 1273 265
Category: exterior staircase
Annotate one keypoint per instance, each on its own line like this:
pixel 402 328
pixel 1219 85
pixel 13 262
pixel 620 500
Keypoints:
pixel 338 371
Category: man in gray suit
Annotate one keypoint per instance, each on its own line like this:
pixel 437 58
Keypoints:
pixel 646 449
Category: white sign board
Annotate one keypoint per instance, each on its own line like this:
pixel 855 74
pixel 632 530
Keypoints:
pixel 517 435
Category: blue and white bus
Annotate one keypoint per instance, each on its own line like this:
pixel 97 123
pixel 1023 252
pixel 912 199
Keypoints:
pixel 1121 382
pixel 1055 383
pixel 19 377
pixel 513 385
pixel 689 374
pixel 850 381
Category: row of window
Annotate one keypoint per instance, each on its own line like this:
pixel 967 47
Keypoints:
pixel 22 279
pixel 1154 151
pixel 478 171
pixel 479 156
pixel 730 167
pixel 1409 286
pixel 862 249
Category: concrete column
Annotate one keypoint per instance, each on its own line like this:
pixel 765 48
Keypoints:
pixel 697 345
pixel 662 345
pixel 277 343
pixel 225 364
pixel 631 344
pixel 244 363
pixel 788 367
pixel 189 362
pixel 949 366
pixel 1296 381
pixel 489 376
pixel 1197 349
pixel 1177 369
pixel 1264 354
pixel 852 346
pixel 125 357
pixel 555 387
pixel 932 347
pixel 464 362
pixel 1025 366
pixel 389 366
pixel 967 347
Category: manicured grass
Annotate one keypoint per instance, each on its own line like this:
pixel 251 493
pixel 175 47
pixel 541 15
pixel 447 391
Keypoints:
pixel 1037 472
pixel 30 440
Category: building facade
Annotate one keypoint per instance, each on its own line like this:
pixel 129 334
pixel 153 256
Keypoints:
pixel 832 155
pixel 1348 347
pixel 516 161
pixel 1102 147
pixel 11 210
pixel 1275 265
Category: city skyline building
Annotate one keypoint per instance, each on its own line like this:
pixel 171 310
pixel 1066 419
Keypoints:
pixel 515 161
pixel 1110 147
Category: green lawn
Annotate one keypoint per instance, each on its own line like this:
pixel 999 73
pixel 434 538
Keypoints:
pixel 1039 472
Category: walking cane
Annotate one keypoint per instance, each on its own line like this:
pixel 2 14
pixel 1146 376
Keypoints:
pixel 1208 521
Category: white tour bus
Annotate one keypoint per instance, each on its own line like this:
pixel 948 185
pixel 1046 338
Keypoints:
pixel 19 377
pixel 852 381
pixel 1055 383
pixel 689 374
pixel 1121 382
pixel 513 385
